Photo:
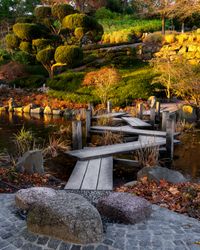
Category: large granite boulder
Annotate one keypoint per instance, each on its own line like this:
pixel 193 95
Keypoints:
pixel 158 173
pixel 66 216
pixel 124 207
pixel 25 198
pixel 31 162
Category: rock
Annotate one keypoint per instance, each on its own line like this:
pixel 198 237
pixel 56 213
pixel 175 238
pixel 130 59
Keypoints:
pixel 27 108
pixel 48 110
pixel 124 207
pixel 3 109
pixel 57 112
pixel 160 173
pixel 11 105
pixel 66 216
pixel 25 198
pixel 31 162
pixel 37 110
pixel 130 184
pixel 18 110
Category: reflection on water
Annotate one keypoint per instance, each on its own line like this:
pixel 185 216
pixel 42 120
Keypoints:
pixel 187 154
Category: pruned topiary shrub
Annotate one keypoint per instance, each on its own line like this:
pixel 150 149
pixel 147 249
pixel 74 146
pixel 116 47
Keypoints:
pixel 42 11
pixel 27 31
pixel 46 57
pixel 69 55
pixel 61 10
pixel 26 47
pixel 12 41
pixel 76 20
pixel 41 43
pixel 79 33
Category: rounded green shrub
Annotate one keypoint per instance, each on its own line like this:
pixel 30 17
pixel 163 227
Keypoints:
pixel 42 11
pixel 23 58
pixel 26 47
pixel 70 55
pixel 41 43
pixel 45 56
pixel 12 41
pixel 76 21
pixel 27 31
pixel 79 33
pixel 61 10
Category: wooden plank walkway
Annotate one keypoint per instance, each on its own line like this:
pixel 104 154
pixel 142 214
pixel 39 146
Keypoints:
pixel 129 130
pixel 110 115
pixel 136 122
pixel 103 151
pixel 95 174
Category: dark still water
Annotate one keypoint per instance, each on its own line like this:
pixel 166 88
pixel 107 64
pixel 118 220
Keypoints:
pixel 187 154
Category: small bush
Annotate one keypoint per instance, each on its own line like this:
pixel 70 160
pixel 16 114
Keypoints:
pixel 104 13
pixel 4 56
pixel 33 81
pixel 45 56
pixel 12 41
pixel 69 55
pixel 170 38
pixel 61 10
pixel 41 43
pixel 23 57
pixel 27 31
pixel 26 47
pixel 42 11
pixel 69 81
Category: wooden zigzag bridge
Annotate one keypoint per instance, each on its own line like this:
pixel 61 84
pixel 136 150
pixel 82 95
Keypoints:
pixel 94 168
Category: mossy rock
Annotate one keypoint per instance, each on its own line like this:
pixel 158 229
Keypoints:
pixel 26 47
pixel 12 41
pixel 62 10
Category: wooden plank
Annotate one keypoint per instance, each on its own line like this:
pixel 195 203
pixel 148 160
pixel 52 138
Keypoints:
pixel 129 130
pixel 91 176
pixel 105 181
pixel 135 122
pixel 76 178
pixel 103 151
pixel 110 115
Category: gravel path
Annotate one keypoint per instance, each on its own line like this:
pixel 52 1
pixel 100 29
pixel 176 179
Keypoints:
pixel 164 230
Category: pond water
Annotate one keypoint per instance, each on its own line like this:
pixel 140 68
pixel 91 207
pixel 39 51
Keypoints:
pixel 187 154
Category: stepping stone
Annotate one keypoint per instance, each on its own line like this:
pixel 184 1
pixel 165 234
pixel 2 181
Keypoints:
pixel 124 207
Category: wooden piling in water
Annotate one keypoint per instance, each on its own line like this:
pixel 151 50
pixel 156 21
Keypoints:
pixel 165 116
pixel 152 116
pixel 170 125
pixel 88 123
pixel 77 134
pixel 109 107
pixel 158 110
pixel 140 110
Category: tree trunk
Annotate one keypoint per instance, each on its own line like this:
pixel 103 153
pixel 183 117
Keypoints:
pixel 182 27
pixel 163 24
pixel 197 111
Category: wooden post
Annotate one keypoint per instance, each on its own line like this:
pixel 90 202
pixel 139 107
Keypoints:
pixel 77 134
pixel 140 110
pixel 165 116
pixel 109 107
pixel 158 110
pixel 152 116
pixel 170 124
pixel 88 123
pixel 91 108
